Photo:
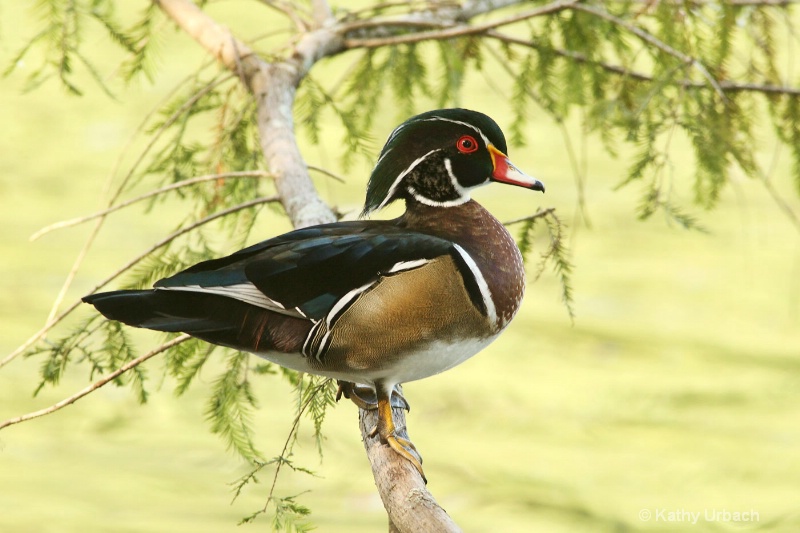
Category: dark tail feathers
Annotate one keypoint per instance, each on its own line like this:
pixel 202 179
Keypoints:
pixel 210 317
pixel 164 310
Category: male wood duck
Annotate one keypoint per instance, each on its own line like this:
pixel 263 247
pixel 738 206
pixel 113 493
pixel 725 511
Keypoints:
pixel 369 302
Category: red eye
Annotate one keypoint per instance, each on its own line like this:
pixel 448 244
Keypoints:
pixel 467 144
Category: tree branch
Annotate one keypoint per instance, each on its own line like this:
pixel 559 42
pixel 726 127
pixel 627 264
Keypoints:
pixel 322 12
pixel 725 85
pixel 459 30
pixel 274 86
pixel 651 39
pixel 97 384
pixel 411 508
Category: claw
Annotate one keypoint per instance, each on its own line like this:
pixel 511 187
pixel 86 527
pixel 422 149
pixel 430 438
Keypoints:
pixel 383 401
pixel 364 396
pixel 398 444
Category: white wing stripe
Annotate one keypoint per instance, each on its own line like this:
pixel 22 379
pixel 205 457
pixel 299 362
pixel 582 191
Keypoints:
pixel 406 265
pixel 486 294
pixel 244 292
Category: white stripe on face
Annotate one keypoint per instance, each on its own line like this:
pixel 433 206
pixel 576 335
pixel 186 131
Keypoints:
pixel 467 124
pixel 400 177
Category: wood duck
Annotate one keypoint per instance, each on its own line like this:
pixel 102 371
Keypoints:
pixel 369 302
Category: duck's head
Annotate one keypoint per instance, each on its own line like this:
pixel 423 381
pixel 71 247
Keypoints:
pixel 438 157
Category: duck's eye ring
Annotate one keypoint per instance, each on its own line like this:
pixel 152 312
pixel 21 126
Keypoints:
pixel 467 144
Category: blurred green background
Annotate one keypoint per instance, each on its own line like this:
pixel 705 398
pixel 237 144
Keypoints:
pixel 676 389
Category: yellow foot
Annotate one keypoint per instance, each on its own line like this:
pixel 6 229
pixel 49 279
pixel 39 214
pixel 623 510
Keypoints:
pixel 385 428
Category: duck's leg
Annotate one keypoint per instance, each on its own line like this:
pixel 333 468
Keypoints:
pixel 387 431
pixel 364 396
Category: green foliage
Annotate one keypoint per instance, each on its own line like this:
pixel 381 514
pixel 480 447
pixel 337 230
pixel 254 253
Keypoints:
pixel 185 361
pixel 60 47
pixel 313 100
pixel 401 75
pixel 230 405
pixel 640 88
pixel 289 515
pixel 786 119
pixel 58 354
pixel 556 253
pixel 315 394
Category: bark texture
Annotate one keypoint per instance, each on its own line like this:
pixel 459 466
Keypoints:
pixel 409 504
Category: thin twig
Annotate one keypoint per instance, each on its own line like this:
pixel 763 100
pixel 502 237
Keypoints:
pixel 97 384
pixel 651 39
pixel 281 459
pixel 326 172
pixel 366 24
pixel 290 11
pixel 96 230
pixel 172 236
pixel 52 319
pixel 780 202
pixel 460 30
pixel 48 326
pixel 73 271
pixel 542 212
pixel 573 159
pixel 726 86
pixel 292 432
pixel 171 187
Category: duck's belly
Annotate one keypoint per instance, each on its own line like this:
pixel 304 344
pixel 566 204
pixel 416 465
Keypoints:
pixel 426 361
pixel 432 359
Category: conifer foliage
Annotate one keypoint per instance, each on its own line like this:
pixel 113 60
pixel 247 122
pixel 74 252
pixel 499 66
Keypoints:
pixel 634 72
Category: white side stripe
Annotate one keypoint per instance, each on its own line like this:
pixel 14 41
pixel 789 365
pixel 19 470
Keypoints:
pixel 323 346
pixel 486 294
pixel 310 338
pixel 345 301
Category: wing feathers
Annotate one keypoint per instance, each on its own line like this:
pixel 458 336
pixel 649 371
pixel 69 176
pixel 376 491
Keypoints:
pixel 315 273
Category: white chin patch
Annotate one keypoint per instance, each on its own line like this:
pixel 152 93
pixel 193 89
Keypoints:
pixel 436 203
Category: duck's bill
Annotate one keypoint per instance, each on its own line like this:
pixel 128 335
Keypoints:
pixel 506 172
